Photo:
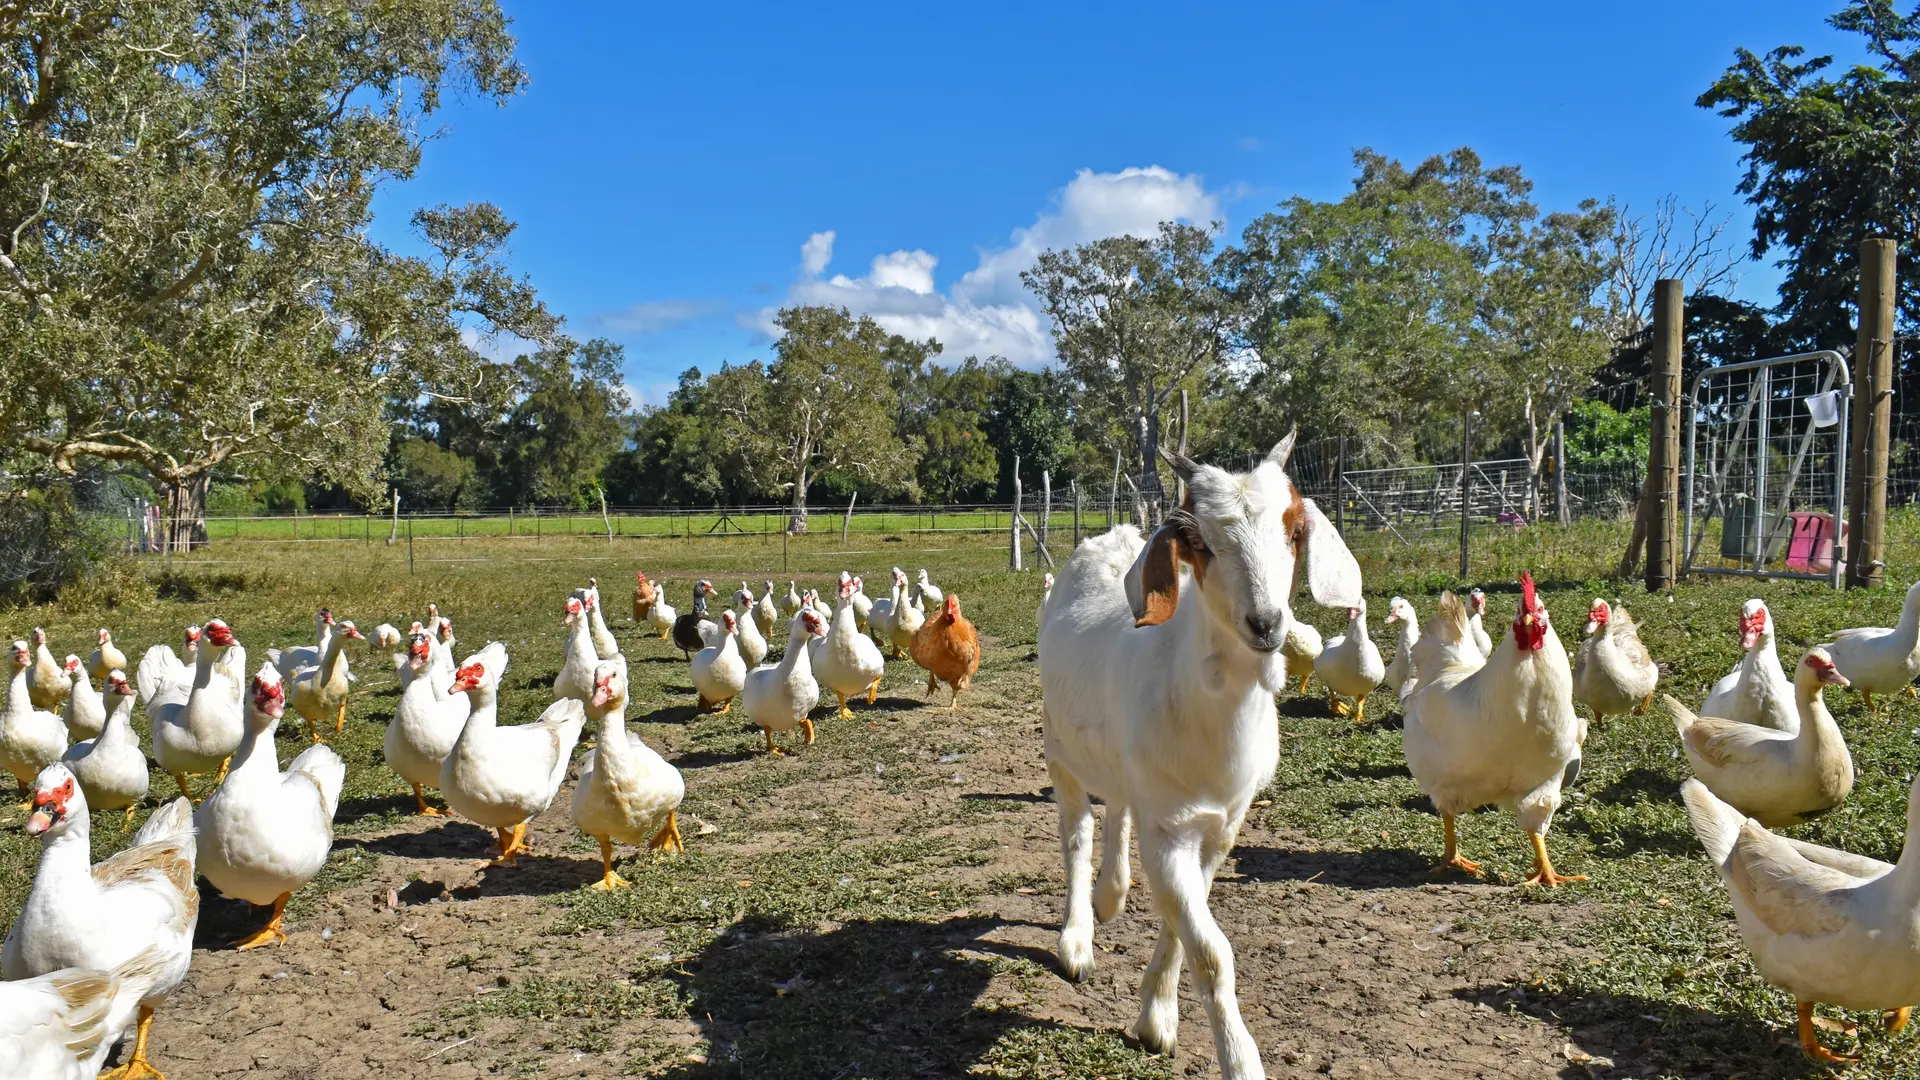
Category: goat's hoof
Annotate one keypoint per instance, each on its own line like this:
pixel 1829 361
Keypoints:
pixel 1155 1041
pixel 1109 902
pixel 1076 959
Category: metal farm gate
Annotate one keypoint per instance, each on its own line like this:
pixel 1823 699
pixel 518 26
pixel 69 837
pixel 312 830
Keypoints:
pixel 1766 459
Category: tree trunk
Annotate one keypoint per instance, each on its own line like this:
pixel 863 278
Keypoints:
pixel 187 513
pixel 797 516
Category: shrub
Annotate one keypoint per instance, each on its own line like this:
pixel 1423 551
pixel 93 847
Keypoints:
pixel 47 544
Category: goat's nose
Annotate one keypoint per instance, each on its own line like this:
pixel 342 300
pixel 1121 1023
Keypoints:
pixel 1262 625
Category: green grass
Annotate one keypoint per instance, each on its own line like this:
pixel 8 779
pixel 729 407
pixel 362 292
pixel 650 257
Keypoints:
pixel 865 911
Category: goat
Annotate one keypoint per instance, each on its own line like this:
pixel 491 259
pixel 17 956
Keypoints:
pixel 1157 695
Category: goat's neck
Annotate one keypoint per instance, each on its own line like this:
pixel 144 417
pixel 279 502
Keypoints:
pixel 1208 658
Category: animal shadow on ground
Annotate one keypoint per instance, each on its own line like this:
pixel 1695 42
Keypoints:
pixel 1642 781
pixel 1008 796
pixel 355 810
pixel 1375 868
pixel 1644 1037
pixel 1305 706
pixel 880 998
pixel 704 759
pixel 451 840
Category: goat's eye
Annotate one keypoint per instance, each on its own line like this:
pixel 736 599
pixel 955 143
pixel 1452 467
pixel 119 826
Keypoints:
pixel 1195 541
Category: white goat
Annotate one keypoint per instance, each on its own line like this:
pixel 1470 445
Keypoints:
pixel 1157 695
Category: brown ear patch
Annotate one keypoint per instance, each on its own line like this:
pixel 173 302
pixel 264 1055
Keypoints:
pixel 1294 520
pixel 1160 577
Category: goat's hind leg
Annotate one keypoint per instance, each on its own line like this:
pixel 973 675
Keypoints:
pixel 1177 871
pixel 1110 891
pixel 1076 850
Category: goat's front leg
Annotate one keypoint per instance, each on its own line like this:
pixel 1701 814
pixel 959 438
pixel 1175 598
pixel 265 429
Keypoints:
pixel 1076 850
pixel 1175 871
pixel 1116 877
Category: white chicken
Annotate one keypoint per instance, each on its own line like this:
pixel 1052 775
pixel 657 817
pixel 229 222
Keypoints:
pixel 766 612
pixel 1757 690
pixel 85 713
pixel 1881 660
pixel 627 793
pixel 1477 604
pixel 30 738
pixel 719 671
pixel 106 658
pixel 1612 673
pixel 196 728
pixel 930 594
pixel 1301 647
pixel 662 616
pixel 47 684
pixel 1500 730
pixel 62 1026
pixel 1350 664
pixel 110 767
pixel 141 902
pixel 792 603
pixel 1400 669
pixel 575 680
pixel 753 643
pixel 427 720
pixel 161 667
pixel 605 645
pixel 779 696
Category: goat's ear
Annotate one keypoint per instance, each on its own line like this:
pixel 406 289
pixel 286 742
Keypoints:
pixel 1159 578
pixel 1182 465
pixel 1333 578
pixel 1283 449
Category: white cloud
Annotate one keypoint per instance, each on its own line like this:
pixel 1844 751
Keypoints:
pixel 653 316
pixel 501 347
pixel 988 312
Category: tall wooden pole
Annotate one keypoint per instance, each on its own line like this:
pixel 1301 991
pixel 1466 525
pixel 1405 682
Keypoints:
pixel 1113 493
pixel 1663 454
pixel 1073 485
pixel 1013 526
pixel 1046 505
pixel 1340 487
pixel 1466 488
pixel 1560 506
pixel 1872 416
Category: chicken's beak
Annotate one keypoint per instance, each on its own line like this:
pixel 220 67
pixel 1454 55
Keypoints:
pixel 1831 676
pixel 43 819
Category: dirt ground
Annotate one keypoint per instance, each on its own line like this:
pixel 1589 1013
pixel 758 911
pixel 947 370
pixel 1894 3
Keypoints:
pixel 1350 964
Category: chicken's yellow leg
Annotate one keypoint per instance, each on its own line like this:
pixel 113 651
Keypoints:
pixel 131 807
pixel 668 838
pixel 771 749
pixel 1543 867
pixel 181 779
pixel 955 703
pixel 806 725
pixel 1451 859
pixel 873 691
pixel 137 1067
pixel 271 934
pixel 1360 711
pixel 932 681
pixel 1339 707
pixel 1810 1043
pixel 340 722
pixel 1303 681
pixel 844 713
pixel 1645 704
pixel 421 801
pixel 608 879
pixel 513 843
pixel 1867 696
pixel 726 707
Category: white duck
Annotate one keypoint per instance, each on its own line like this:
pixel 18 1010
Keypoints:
pixel 1301 648
pixel 47 684
pixel 753 643
pixel 30 738
pixel 139 903
pixel 779 696
pixel 880 616
pixel 909 615
pixel 862 605
pixel 1477 607
pixel 1400 670
pixel 85 714
pixel 1350 664
pixel 846 661
pixel 930 594
pixel 442 629
pixel 107 657
pixel 498 776
pixel 627 793
pixel 294 657
pixel 1757 690
pixel 604 643
pixel 111 769
pixel 1881 660
pixel 197 729
pixel 161 667
pixel 1774 777
pixel 427 719
pixel 575 680
pixel 319 691
pixel 265 834
pixel 1822 924
pixel 766 612
pixel 62 1026
pixel 719 671
pixel 1612 673
pixel 792 603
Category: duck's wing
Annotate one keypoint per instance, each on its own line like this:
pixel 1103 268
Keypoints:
pixel 1858 867
pixel 1786 891
pixel 320 765
pixel 157 669
pixel 1730 743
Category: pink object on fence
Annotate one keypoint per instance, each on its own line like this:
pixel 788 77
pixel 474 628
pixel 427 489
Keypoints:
pixel 1811 548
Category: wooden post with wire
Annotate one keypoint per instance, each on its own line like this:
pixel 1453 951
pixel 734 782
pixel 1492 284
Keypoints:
pixel 1872 417
pixel 1013 525
pixel 846 523
pixel 1663 452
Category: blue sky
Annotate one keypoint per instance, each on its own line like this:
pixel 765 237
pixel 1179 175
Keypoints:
pixel 675 170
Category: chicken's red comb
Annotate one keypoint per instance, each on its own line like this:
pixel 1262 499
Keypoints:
pixel 1528 599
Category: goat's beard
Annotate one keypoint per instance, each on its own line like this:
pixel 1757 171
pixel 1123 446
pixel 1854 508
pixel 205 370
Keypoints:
pixel 1273 672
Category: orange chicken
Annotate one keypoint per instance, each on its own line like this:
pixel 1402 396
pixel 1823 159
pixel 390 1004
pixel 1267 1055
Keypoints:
pixel 642 596
pixel 949 648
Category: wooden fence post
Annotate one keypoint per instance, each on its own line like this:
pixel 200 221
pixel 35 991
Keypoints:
pixel 1046 505
pixel 1074 486
pixel 1113 493
pixel 1663 452
pixel 1013 524
pixel 1872 416
pixel 1560 506
pixel 847 522
pixel 1466 488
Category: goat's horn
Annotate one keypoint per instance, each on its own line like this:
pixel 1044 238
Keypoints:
pixel 1182 465
pixel 1283 449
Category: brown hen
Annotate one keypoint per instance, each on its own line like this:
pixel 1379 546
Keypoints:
pixel 949 648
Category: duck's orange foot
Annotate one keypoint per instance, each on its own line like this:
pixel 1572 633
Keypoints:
pixel 1897 1019
pixel 1810 1043
pixel 1457 862
pixel 1544 875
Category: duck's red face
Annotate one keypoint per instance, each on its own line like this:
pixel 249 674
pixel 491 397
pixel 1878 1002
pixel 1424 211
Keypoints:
pixel 1823 667
pixel 269 697
pixel 72 665
pixel 1752 625
pixel 218 634
pixel 105 637
pixel 326 616
pixel 39 636
pixel 816 626
pixel 573 610
pixel 467 678
pixel 22 656
pixel 49 806
pixel 1530 622
pixel 117 683
pixel 1597 615
pixel 419 651
pixel 603 692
